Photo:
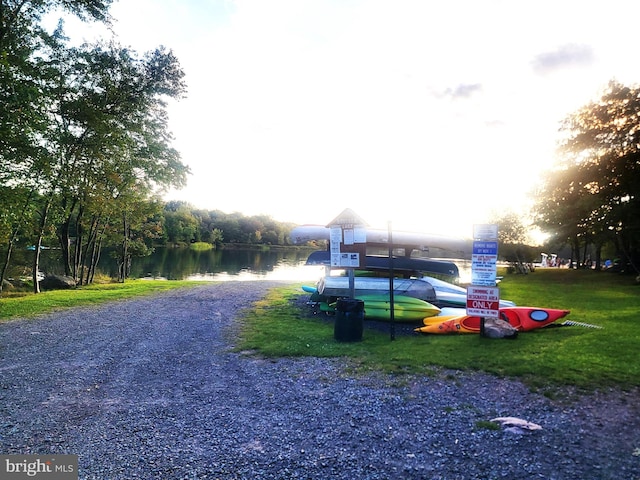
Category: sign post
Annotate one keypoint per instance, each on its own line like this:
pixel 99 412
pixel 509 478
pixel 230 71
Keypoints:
pixel 348 248
pixel 483 296
pixel 347 244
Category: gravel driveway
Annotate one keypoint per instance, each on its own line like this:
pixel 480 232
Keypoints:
pixel 148 388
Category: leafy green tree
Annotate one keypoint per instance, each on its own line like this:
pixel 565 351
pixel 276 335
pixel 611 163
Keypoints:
pixel 207 230
pixel 593 194
pixel 216 237
pixel 113 114
pixel 22 41
pixel 24 73
pixel 513 240
pixel 564 208
pixel 230 226
pixel 135 224
pixel 82 126
pixel 181 225
pixel 25 78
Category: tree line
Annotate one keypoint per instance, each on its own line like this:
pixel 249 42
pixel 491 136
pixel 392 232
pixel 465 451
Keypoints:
pixel 184 223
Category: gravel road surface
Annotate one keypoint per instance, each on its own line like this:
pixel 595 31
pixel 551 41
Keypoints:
pixel 149 388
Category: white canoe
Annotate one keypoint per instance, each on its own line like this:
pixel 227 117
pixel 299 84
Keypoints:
pixel 380 237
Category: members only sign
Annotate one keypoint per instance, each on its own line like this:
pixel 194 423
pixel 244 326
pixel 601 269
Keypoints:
pixel 483 263
pixel 483 301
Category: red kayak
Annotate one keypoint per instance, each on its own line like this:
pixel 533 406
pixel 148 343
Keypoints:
pixel 530 318
pixel 521 318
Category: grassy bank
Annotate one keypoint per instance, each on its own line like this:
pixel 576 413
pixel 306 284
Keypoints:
pixel 576 356
pixel 29 304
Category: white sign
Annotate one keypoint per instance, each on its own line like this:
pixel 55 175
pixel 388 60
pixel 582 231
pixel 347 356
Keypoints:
pixel 483 301
pixel 345 259
pixel 483 263
pixel 483 270
pixel 487 231
pixel 484 258
pixel 340 239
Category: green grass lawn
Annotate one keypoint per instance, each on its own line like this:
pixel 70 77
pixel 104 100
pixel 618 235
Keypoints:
pixel 574 356
pixel 29 304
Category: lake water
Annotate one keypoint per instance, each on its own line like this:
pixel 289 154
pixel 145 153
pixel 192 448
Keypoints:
pixel 221 265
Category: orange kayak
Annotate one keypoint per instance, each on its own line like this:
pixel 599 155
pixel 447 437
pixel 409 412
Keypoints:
pixel 457 324
pixel 522 318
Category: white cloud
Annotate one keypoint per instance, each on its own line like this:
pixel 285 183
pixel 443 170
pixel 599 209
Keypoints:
pixel 565 56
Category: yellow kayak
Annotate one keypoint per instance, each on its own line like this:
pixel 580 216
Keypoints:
pixel 440 319
pixel 457 324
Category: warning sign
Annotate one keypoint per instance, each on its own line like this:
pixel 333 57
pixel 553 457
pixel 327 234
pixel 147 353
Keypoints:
pixel 483 301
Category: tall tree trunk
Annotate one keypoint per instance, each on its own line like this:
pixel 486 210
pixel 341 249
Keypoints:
pixel 77 252
pixel 7 258
pixel 86 259
pixel 598 256
pixel 65 240
pixel 575 253
pixel 95 258
pixel 123 270
pixel 65 246
pixel 38 245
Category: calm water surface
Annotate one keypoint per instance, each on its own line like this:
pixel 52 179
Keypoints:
pixel 220 265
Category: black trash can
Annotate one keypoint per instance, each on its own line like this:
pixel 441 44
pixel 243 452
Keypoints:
pixel 349 320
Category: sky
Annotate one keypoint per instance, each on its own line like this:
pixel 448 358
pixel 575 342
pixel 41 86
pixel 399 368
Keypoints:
pixel 431 115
